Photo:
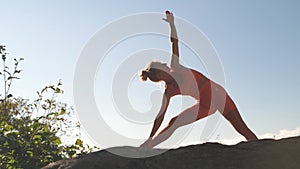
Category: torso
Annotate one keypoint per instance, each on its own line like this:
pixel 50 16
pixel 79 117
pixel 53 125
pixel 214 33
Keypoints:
pixel 193 83
pixel 186 82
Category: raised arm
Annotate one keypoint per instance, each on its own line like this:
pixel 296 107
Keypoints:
pixel 174 40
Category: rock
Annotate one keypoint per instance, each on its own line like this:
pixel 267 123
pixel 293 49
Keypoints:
pixel 262 154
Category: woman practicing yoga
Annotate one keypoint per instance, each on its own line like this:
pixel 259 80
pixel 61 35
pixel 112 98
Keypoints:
pixel 180 80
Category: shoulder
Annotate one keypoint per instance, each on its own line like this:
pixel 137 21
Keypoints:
pixel 185 73
pixel 179 69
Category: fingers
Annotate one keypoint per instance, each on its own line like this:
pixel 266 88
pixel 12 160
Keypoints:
pixel 169 17
pixel 169 13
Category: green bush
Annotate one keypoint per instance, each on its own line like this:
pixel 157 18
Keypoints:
pixel 31 132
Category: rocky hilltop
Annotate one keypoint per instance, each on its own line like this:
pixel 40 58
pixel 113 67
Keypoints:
pixel 262 154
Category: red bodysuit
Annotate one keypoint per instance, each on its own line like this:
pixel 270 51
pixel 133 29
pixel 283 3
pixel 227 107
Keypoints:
pixel 207 93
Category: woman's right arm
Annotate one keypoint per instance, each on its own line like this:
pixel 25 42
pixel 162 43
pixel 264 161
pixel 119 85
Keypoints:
pixel 159 118
pixel 175 48
pixel 174 40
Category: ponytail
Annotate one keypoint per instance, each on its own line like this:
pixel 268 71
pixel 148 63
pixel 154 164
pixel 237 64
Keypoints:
pixel 144 75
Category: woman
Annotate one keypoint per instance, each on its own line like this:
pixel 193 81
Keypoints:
pixel 184 81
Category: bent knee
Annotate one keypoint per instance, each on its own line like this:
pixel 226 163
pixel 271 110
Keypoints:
pixel 233 116
pixel 228 107
pixel 172 121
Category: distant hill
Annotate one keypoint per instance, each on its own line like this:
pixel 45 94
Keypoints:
pixel 262 154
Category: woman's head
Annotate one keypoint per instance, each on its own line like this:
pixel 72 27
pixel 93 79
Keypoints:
pixel 155 71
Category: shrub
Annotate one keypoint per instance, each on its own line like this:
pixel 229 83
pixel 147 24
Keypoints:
pixel 32 132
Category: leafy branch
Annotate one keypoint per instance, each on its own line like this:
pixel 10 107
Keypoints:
pixel 8 76
pixel 32 132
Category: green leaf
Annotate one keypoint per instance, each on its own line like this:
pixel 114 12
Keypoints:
pixel 48 101
pixel 30 153
pixel 63 111
pixel 18 71
pixel 3 57
pixel 51 87
pixel 11 161
pixel 44 107
pixel 79 142
pixel 12 77
pixel 57 141
pixel 59 83
pixel 44 89
pixel 35 137
pixel 9 95
pixel 57 90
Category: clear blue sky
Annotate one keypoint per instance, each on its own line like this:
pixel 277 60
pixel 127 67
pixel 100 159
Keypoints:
pixel 258 43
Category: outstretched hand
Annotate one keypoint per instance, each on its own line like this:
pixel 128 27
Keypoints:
pixel 147 143
pixel 169 17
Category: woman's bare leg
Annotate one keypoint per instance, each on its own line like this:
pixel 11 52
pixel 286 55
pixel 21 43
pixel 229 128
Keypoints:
pixel 240 126
pixel 188 116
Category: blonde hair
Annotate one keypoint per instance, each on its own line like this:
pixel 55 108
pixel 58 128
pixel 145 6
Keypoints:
pixel 150 70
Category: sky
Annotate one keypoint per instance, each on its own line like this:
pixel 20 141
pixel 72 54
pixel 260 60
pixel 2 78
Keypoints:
pixel 257 43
